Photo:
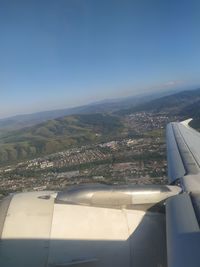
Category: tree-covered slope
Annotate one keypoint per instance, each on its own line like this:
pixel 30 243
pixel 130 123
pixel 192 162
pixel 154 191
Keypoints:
pixel 57 135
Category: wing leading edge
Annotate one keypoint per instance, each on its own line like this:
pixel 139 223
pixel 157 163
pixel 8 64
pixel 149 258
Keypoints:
pixel 183 155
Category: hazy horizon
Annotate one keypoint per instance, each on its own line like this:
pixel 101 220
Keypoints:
pixel 108 100
pixel 62 54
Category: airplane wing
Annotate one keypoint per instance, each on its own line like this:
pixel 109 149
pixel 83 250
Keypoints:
pixel 183 210
pixel 87 226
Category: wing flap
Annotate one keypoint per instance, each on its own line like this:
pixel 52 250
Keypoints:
pixel 183 235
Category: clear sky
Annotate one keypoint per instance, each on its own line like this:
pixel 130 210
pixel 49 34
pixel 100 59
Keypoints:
pixel 63 53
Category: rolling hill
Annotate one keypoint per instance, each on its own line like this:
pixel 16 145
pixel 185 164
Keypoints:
pixel 73 130
pixel 106 106
pixel 57 135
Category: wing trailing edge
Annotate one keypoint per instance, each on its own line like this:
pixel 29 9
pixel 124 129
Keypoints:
pixel 76 263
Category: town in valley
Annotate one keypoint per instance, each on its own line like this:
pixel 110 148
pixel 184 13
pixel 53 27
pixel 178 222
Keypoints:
pixel 137 157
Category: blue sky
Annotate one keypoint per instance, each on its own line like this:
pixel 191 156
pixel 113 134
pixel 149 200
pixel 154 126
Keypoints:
pixel 64 53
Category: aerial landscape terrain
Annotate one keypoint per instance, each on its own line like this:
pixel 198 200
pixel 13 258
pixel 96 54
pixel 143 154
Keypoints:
pixel 88 87
pixel 99 133
pixel 123 144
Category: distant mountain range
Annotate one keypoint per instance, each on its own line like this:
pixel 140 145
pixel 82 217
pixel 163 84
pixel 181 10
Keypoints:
pixel 186 103
pixel 105 106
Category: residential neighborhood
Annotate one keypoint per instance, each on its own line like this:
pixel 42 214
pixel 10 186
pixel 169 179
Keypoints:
pixel 140 159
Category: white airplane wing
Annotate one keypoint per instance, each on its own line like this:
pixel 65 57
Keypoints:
pixel 183 210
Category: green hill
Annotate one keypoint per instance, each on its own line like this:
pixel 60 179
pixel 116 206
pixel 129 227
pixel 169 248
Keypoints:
pixel 57 135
